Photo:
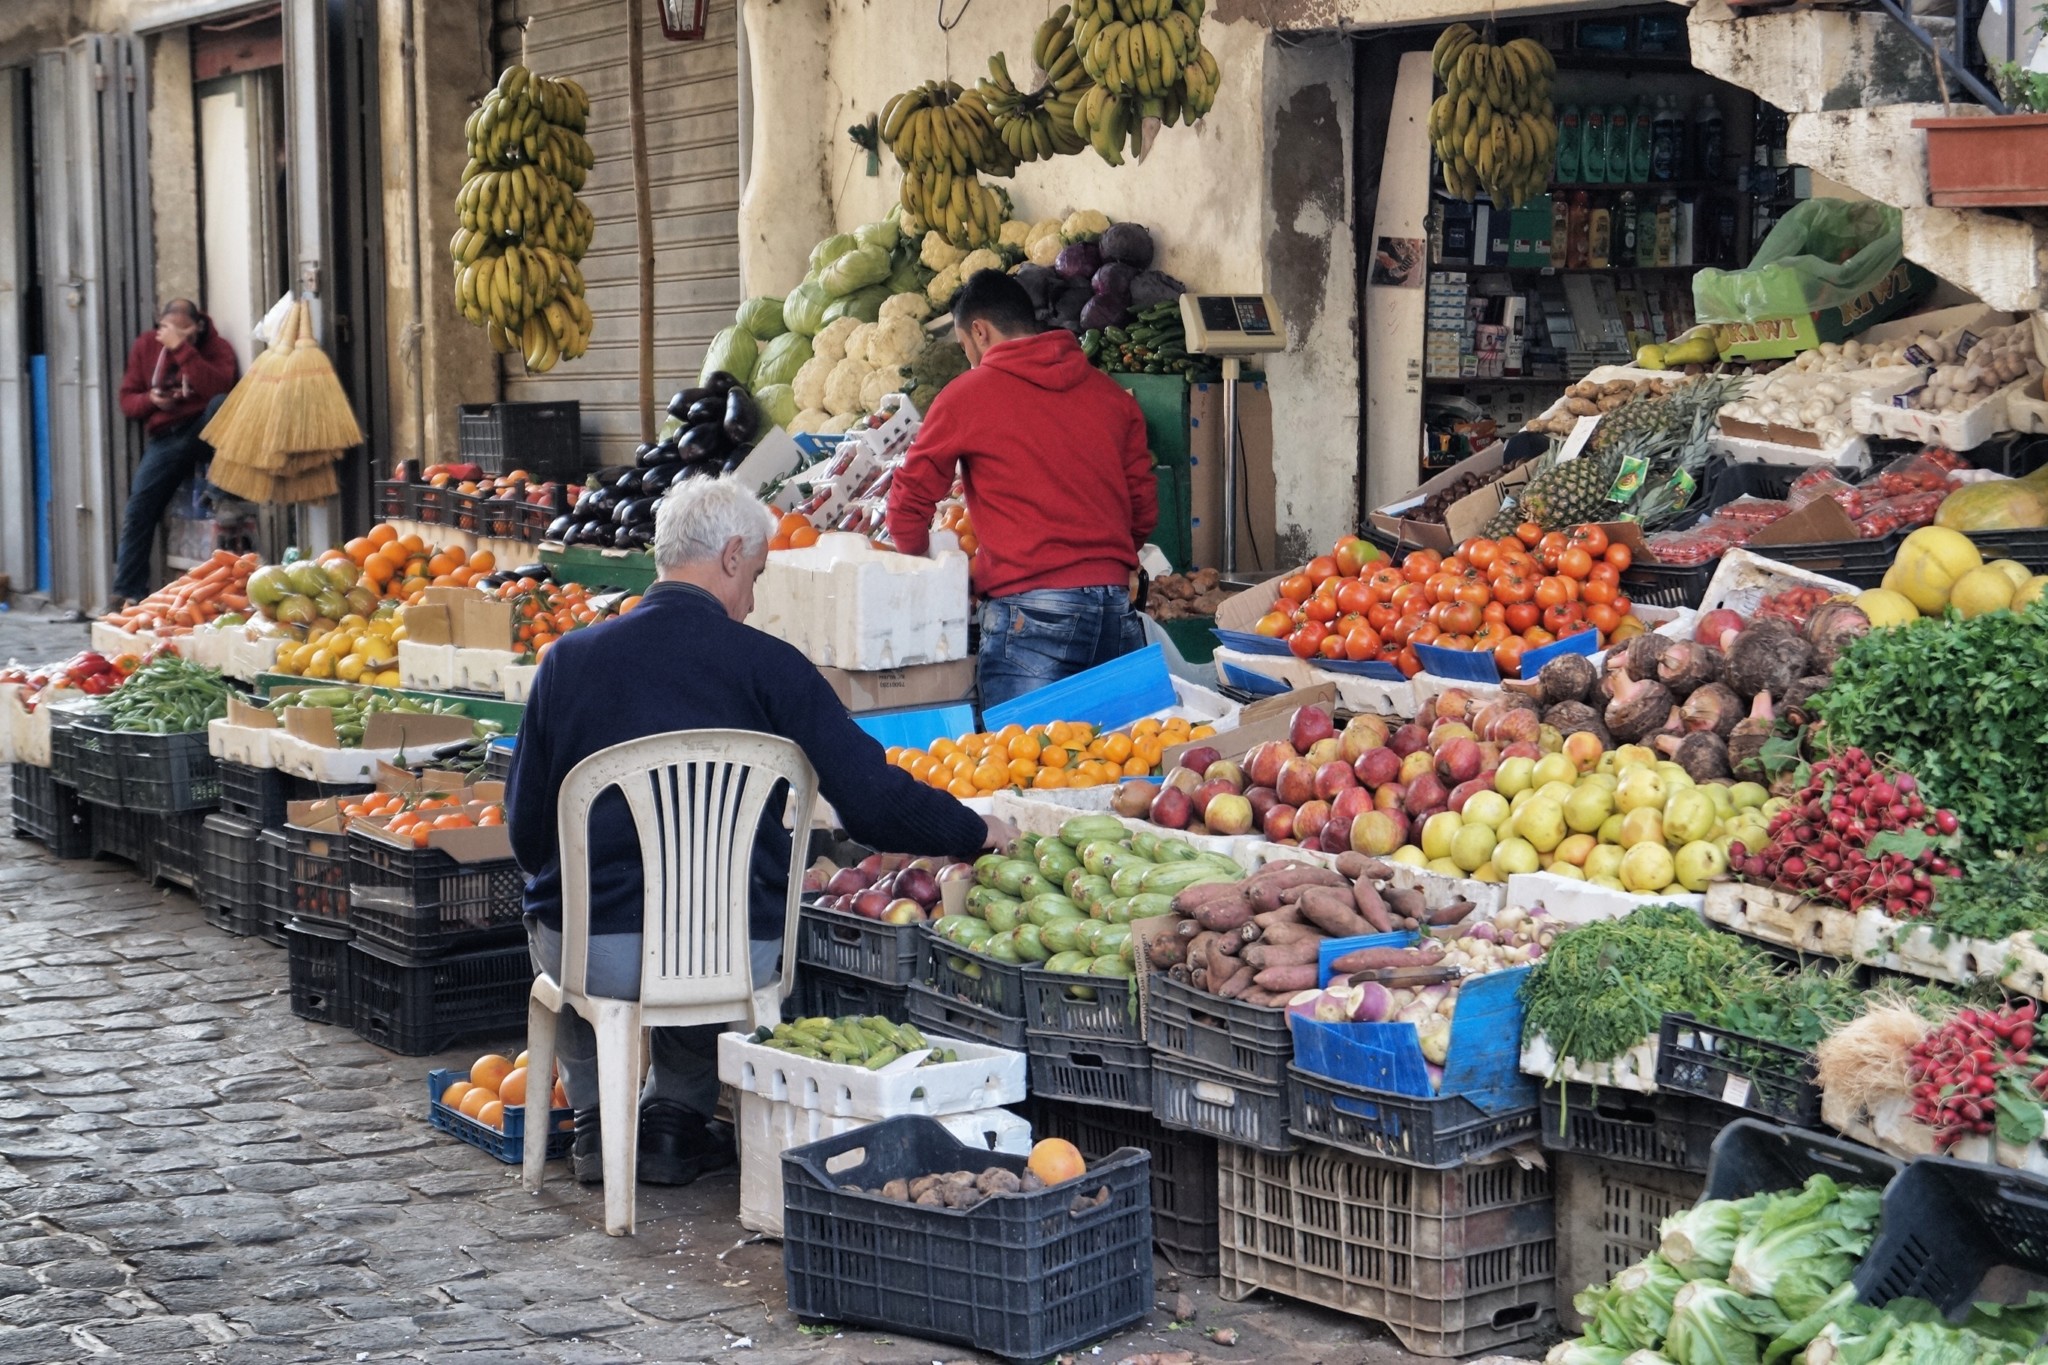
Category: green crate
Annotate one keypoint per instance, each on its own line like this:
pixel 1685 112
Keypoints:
pixel 621 570
pixel 1163 398
pixel 1175 535
pixel 505 713
pixel 1193 636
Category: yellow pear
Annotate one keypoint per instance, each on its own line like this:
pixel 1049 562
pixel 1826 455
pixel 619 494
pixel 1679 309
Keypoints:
pixel 2013 569
pixel 1980 591
pixel 1887 607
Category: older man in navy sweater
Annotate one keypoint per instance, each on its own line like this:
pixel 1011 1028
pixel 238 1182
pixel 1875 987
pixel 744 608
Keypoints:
pixel 683 660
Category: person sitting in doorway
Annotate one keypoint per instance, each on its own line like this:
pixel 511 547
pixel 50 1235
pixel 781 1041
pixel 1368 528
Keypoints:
pixel 178 375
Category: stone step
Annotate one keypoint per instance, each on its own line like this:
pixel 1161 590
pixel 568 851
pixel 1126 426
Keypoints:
pixel 1810 60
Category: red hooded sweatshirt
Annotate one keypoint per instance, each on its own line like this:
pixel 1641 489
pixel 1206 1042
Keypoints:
pixel 1053 456
pixel 192 374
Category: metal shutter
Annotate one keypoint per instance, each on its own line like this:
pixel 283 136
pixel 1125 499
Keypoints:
pixel 693 166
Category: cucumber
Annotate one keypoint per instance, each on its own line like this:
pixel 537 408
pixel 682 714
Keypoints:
pixel 1001 947
pixel 1114 938
pixel 1088 935
pixel 1129 879
pixel 1083 829
pixel 1111 965
pixel 1084 888
pixel 982 899
pixel 963 930
pixel 1104 858
pixel 1056 860
pixel 1042 910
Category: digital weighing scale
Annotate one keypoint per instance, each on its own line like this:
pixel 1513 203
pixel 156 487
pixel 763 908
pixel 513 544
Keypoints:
pixel 1231 326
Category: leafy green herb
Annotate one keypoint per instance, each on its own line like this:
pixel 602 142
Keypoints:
pixel 1997 898
pixel 1797 1009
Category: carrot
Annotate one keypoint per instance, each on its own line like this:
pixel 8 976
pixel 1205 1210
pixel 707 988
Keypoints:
pixel 208 591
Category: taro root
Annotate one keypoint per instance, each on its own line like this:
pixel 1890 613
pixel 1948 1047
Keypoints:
pixel 1613 672
pixel 1703 754
pixel 1571 717
pixel 1713 709
pixel 1640 708
pixel 1832 628
pixel 1644 653
pixel 1568 677
pixel 1746 743
pixel 1769 656
pixel 1800 695
pixel 1688 666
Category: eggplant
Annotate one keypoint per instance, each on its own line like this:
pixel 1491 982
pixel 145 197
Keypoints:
pixel 598 505
pixel 718 382
pixel 559 527
pixel 733 462
pixel 680 404
pixel 539 573
pixel 655 481
pixel 627 512
pixel 742 418
pixel 703 441
pixel 628 484
pixel 710 409
pixel 646 457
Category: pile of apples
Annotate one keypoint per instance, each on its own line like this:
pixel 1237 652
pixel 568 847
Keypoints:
pixel 889 888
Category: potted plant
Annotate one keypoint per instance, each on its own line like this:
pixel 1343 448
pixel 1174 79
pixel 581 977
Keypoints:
pixel 1986 160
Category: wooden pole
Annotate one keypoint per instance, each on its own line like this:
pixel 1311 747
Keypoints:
pixel 643 208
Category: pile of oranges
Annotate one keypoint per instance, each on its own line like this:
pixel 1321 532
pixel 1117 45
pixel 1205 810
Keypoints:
pixel 544 612
pixel 793 532
pixel 417 817
pixel 496 1083
pixel 1063 754
pixel 1504 596
pixel 402 567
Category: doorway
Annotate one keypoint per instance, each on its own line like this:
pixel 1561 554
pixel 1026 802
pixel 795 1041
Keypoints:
pixel 241 201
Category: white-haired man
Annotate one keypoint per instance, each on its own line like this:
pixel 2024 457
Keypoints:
pixel 684 660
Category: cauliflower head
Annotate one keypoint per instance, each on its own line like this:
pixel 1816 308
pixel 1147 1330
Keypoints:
pixel 978 261
pixel 842 387
pixel 913 306
pixel 896 341
pixel 1016 232
pixel 839 425
pixel 809 384
pixel 878 385
pixel 830 342
pixel 858 341
pixel 1085 225
pixel 809 420
pixel 944 286
pixel 937 253
pixel 1044 250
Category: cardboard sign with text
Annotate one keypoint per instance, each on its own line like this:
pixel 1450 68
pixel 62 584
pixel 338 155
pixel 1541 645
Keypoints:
pixel 381 730
pixel 1262 720
pixel 462 617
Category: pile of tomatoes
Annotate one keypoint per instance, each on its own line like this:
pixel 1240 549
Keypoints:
pixel 1504 596
pixel 417 817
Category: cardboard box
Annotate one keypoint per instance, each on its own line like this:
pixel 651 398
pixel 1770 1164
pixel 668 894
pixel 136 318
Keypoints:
pixel 314 725
pixel 1256 534
pixel 891 689
pixel 463 617
pixel 1820 521
pixel 1775 338
pixel 477 844
pixel 1466 517
pixel 1262 720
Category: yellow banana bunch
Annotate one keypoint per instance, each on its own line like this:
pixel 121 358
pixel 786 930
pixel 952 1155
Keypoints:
pixel 1493 129
pixel 1033 127
pixel 1149 54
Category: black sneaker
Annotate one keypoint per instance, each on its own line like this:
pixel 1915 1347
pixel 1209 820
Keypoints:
pixel 679 1146
pixel 586 1149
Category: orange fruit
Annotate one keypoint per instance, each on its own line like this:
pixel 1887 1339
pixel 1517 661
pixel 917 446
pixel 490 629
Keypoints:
pixel 453 1095
pixel 1024 747
pixel 513 1091
pixel 492 1115
pixel 489 1071
pixel 475 1100
pixel 519 1062
pixel 560 1097
pixel 963 788
pixel 483 561
pixel 381 534
pixel 1056 1161
pixel 803 537
pixel 791 523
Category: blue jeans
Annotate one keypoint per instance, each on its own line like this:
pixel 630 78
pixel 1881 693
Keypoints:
pixel 1038 637
pixel 168 456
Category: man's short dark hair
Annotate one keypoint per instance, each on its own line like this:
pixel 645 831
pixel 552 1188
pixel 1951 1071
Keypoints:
pixel 185 306
pixel 995 298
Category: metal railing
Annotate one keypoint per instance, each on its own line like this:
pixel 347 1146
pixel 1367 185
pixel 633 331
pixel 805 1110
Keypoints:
pixel 1965 59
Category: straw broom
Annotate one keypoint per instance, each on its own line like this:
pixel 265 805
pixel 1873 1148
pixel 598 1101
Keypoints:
pixel 311 411
pixel 223 432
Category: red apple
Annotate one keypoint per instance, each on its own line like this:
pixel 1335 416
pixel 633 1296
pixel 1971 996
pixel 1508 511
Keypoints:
pixel 847 881
pixel 1309 724
pixel 1310 819
pixel 1200 757
pixel 1262 764
pixel 871 867
pixel 1349 803
pixel 1390 796
pixel 1172 808
pixel 1376 767
pixel 1362 733
pixel 1184 779
pixel 1208 792
pixel 1521 749
pixel 1416 764
pixel 1297 782
pixel 1444 731
pixel 1336 835
pixel 1465 791
pixel 871 903
pixel 1453 703
pixel 902 910
pixel 1489 754
pixel 1277 823
pixel 1713 627
pixel 1263 799
pixel 1425 793
pixel 1323 751
pixel 1458 761
pixel 1378 833
pixel 1582 747
pixel 1333 777
pixel 1223 770
pixel 1228 814
pixel 1408 739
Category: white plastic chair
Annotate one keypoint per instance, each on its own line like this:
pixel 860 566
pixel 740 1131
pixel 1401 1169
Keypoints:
pixel 697 798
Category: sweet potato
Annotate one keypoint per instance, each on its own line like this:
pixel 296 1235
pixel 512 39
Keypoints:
pixel 1258 995
pixel 1264 955
pixel 1185 901
pixel 1230 913
pixel 1233 984
pixel 1453 913
pixel 1371 906
pixel 1269 889
pixel 1333 911
pixel 1296 978
pixel 1406 902
pixel 1290 933
pixel 1377 959
pixel 1286 914
pixel 1226 945
pixel 1187 929
pixel 1352 866
pixel 1198 949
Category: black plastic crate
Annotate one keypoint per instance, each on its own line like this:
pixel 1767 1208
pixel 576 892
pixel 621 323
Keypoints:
pixel 1860 563
pixel 394 499
pixel 318 965
pixel 422 902
pixel 127 835
pixel 1754 1157
pixel 498 516
pixel 1947 1225
pixel 1200 1099
pixel 168 774
pixel 1456 1262
pixel 1650 584
pixel 1092 1070
pixel 63 750
pixel 498 762
pixel 1739 1070
pixel 534 520
pixel 93 754
pixel 885 954
pixel 1074 1006
pixel 230 888
pixel 1248 1041
pixel 274 860
pixel 306 789
pixel 2028 547
pixel 319 874
pixel 176 838
pixel 50 813
pixel 833 995
pixel 466 511
pixel 434 503
pixel 1183 1172
pixel 417 1008
pixel 949 1016
pixel 1022 1276
pixel 1673 1131
pixel 543 439
pixel 1422 1130
pixel 255 794
pixel 973 977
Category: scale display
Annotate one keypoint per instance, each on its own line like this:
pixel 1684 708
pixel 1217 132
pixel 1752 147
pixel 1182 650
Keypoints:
pixel 1231 324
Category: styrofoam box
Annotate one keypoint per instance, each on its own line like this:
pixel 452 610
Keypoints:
pixel 206 646
pixel 517 680
pixel 10 694
pixel 244 744
pixel 2024 407
pixel 480 670
pixel 111 640
pixel 430 668
pixel 1369 695
pixel 290 754
pixel 1853 453
pixel 250 659
pixel 1043 812
pixel 768 1128
pixel 846 604
pixel 32 737
pixel 1874 415
pixel 985 1077
pixel 1580 902
pixel 1788 919
pixel 1635 1069
pixel 1746 578
pixel 1920 950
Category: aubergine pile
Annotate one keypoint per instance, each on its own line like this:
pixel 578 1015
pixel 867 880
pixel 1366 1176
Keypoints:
pixel 718 425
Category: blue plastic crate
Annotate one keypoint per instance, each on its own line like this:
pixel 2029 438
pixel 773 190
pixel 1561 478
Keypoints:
pixel 1475 665
pixel 1106 696
pixel 1333 948
pixel 1258 684
pixel 508 1146
pixel 1250 642
pixel 917 729
pixel 1483 1065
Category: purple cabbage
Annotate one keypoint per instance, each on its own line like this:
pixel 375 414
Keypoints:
pixel 1041 283
pixel 1103 312
pixel 1113 283
pixel 1078 261
pixel 1128 243
pixel 1066 308
pixel 1154 287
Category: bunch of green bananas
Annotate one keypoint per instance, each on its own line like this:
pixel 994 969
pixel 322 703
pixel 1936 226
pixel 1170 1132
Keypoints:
pixel 522 227
pixel 1040 125
pixel 1493 128
pixel 942 135
pixel 1148 61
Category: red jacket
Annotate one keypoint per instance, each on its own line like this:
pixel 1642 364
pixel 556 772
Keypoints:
pixel 194 373
pixel 1053 457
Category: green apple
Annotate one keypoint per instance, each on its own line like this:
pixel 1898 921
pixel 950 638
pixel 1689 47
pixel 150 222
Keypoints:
pixel 1559 792
pixel 1640 787
pixel 1516 856
pixel 1748 795
pixel 1688 817
pixel 1604 861
pixel 1647 867
pixel 1488 872
pixel 1514 775
pixel 1555 768
pixel 1409 854
pixel 1567 870
pixel 1446 867
pixel 1717 792
pixel 1588 807
pixel 1611 883
pixel 1486 808
pixel 1610 830
pixel 1437 833
pixel 1607 782
pixel 1541 822
pixel 1575 849
pixel 1697 864
pixel 1674 776
pixel 1471 846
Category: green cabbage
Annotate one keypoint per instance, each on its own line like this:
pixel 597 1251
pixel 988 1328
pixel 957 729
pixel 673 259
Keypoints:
pixel 1583 1352
pixel 908 277
pixel 781 359
pixel 777 403
pixel 830 250
pixel 804 309
pixel 862 305
pixel 762 317
pixel 855 270
pixel 883 234
pixel 1804 1246
pixel 733 351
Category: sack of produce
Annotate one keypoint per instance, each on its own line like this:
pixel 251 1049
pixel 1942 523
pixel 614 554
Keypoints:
pixel 1822 254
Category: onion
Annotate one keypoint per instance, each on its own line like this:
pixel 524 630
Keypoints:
pixel 1485 933
pixel 1532 952
pixel 1435 1074
pixel 1373 1003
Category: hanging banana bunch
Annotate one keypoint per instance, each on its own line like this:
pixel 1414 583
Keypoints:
pixel 1493 128
pixel 1147 60
pixel 1039 125
pixel 943 136
pixel 523 229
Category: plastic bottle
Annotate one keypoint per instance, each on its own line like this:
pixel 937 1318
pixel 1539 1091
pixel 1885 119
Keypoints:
pixel 1708 139
pixel 1618 123
pixel 1593 144
pixel 1641 137
pixel 1581 229
pixel 1667 139
pixel 1667 228
pixel 1569 134
pixel 1624 246
pixel 1560 229
pixel 1599 237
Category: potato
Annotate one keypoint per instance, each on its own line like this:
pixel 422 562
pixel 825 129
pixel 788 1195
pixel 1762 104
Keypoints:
pixel 898 1190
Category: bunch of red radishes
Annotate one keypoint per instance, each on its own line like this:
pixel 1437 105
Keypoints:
pixel 1959 1069
pixel 1821 841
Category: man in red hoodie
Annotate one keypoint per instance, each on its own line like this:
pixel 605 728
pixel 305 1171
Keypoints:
pixel 177 377
pixel 1059 486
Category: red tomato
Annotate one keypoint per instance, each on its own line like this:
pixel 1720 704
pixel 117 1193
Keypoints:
pixel 1479 552
pixel 1529 533
pixel 1321 608
pixel 1307 641
pixel 1590 538
pixel 1459 618
pixel 1551 591
pixel 1361 642
pixel 1352 555
pixel 1274 625
pixel 1296 587
pixel 1418 565
pixel 1619 555
pixel 1575 562
pixel 1597 592
pixel 1352 595
pixel 1604 617
pixel 1408 663
pixel 1320 568
pixel 1512 587
pixel 1522 615
pixel 1564 618
pixel 1332 646
pixel 1507 656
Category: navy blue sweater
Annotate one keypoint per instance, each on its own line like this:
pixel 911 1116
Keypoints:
pixel 678 662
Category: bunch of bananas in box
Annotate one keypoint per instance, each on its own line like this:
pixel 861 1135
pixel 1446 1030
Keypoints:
pixel 1147 60
pixel 1040 125
pixel 942 135
pixel 1493 128
pixel 523 228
